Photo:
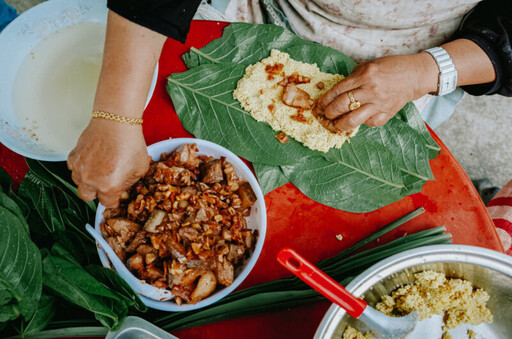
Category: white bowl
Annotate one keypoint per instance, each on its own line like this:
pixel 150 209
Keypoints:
pixel 257 220
pixel 17 40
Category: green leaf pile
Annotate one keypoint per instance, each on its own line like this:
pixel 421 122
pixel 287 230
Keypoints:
pixel 379 165
pixel 45 257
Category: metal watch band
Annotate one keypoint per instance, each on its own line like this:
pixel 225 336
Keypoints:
pixel 447 72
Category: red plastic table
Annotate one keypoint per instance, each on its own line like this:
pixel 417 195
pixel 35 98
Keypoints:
pixel 309 227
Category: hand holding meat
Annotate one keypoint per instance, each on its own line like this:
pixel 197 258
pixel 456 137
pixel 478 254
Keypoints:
pixel 382 86
pixel 183 227
pixel 108 158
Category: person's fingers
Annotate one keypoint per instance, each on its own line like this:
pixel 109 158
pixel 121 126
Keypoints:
pixel 71 160
pixel 378 120
pixel 75 177
pixel 355 118
pixel 109 199
pixel 341 104
pixel 86 192
pixel 343 86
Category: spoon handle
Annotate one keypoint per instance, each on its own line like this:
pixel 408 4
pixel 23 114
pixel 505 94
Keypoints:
pixel 321 282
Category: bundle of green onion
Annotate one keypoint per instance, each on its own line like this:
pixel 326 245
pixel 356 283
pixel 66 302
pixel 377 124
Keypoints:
pixel 291 292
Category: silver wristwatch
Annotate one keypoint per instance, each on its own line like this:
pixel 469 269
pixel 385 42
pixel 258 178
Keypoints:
pixel 447 72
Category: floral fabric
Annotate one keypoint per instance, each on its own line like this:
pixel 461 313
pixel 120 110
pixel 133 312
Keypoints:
pixel 365 29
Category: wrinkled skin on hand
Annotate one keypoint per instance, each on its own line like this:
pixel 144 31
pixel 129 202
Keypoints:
pixel 108 158
pixel 383 86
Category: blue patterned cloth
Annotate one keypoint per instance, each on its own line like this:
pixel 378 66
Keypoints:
pixel 7 14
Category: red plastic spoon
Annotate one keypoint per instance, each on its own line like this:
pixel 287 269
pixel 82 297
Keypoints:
pixel 382 325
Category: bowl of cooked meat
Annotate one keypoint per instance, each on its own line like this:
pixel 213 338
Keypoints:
pixel 190 231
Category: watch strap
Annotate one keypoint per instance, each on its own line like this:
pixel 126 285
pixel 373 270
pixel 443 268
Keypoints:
pixel 447 72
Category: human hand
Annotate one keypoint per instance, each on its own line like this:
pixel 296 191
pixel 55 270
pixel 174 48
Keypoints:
pixel 108 158
pixel 382 86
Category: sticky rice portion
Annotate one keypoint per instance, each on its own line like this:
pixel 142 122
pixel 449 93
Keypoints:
pixel 260 93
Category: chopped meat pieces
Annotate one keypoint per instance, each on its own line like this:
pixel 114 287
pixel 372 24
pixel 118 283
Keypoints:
pixel 139 239
pixel 146 249
pixel 327 123
pixel 125 228
pixel 320 85
pixel 236 252
pixel 274 69
pixel 299 116
pixel 231 178
pixel 247 195
pixel 118 248
pixel 155 219
pixel 112 213
pixel 186 155
pixel 295 97
pixel 212 172
pixel 283 138
pixel 183 226
pixel 182 292
pixel 175 248
pixel 294 78
pixel 152 273
pixel 205 286
pixel 136 263
pixel 188 233
pixel 225 272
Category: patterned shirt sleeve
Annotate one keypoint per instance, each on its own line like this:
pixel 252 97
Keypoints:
pixel 168 17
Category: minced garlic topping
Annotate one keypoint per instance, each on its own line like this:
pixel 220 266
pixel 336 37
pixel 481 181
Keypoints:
pixel 260 93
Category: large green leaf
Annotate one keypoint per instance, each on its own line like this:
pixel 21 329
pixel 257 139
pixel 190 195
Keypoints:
pixel 410 114
pixel 203 98
pixel 409 151
pixel 118 284
pixel 6 187
pixel 58 175
pixel 327 59
pixel 8 312
pixel 43 315
pixel 357 179
pixel 20 264
pixel 59 282
pixel 270 177
pixel 5 180
pixel 5 295
pixel 377 168
pixel 14 208
pixel 41 197
pixel 78 276
pixel 243 44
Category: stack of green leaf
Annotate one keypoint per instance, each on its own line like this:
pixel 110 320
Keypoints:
pixel 379 165
pixel 49 268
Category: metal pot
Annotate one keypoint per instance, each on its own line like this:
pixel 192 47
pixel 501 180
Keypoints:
pixel 484 268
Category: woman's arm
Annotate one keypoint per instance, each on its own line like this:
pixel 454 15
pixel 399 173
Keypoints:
pixel 110 156
pixel 482 55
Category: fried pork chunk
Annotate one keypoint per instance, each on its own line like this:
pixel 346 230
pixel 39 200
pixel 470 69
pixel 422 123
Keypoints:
pixel 183 226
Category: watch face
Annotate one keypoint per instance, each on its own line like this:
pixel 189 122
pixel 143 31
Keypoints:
pixel 448 82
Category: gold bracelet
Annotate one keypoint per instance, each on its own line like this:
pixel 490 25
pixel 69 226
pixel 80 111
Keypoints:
pixel 115 117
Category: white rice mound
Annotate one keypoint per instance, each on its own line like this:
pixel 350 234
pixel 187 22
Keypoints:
pixel 255 93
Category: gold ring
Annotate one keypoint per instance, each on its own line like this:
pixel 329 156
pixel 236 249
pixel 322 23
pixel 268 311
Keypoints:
pixel 354 104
